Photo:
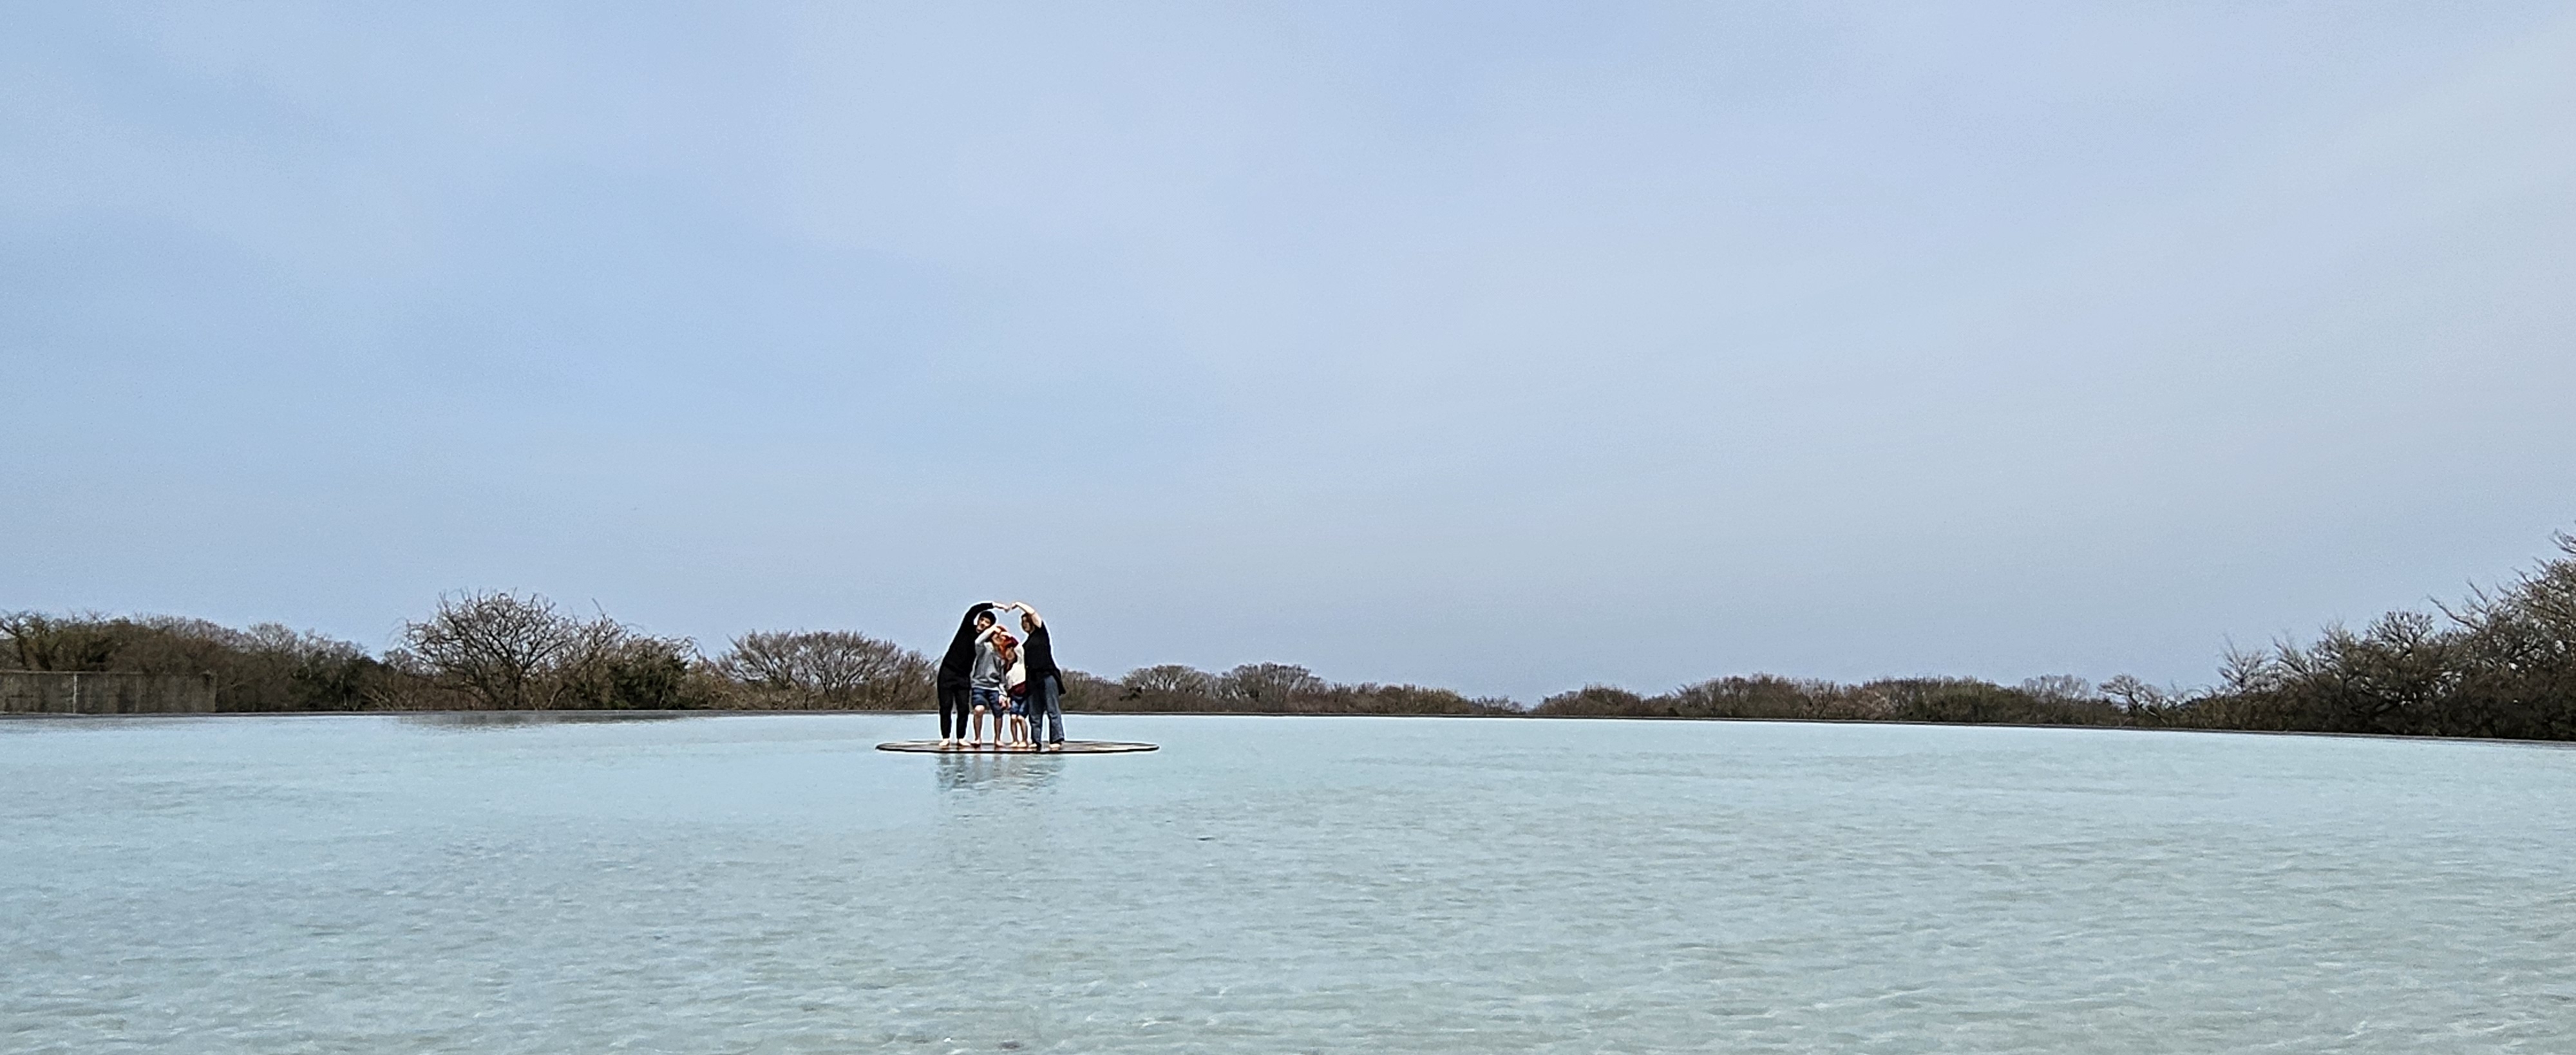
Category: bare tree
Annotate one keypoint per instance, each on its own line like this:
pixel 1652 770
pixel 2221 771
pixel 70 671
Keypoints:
pixel 1167 680
pixel 830 668
pixel 2144 702
pixel 612 666
pixel 498 648
pixel 41 642
pixel 2060 688
pixel 1269 686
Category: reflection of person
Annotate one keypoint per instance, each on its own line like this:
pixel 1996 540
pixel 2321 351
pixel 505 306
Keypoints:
pixel 1046 682
pixel 987 680
pixel 954 669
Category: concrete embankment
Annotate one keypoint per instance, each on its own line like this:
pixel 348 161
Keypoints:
pixel 66 692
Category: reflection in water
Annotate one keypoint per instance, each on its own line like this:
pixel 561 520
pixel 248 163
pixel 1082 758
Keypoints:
pixel 977 770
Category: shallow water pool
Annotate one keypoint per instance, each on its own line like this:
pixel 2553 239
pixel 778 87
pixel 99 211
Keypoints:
pixel 772 884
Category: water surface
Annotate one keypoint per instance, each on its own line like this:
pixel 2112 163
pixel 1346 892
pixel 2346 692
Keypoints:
pixel 771 884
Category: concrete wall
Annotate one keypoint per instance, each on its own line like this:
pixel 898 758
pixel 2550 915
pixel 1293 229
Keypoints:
pixel 57 692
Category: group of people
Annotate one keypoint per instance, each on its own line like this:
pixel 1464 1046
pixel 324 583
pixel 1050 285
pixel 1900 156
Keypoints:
pixel 1012 681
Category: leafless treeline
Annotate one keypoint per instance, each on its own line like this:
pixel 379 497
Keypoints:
pixel 2500 664
pixel 265 668
pixel 483 651
pixel 504 651
pixel 2040 701
pixel 508 651
pixel 1270 688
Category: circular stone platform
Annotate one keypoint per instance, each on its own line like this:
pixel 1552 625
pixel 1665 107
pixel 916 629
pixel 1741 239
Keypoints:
pixel 1071 747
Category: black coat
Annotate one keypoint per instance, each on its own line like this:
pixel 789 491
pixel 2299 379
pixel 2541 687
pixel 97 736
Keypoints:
pixel 1038 654
pixel 960 660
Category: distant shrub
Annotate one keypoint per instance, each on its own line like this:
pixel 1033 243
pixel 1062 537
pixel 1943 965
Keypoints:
pixel 1761 696
pixel 1596 701
pixel 2501 664
pixel 2051 702
pixel 1969 701
pixel 833 669
pixel 1087 692
pixel 265 668
pixel 1164 687
pixel 503 651
pixel 1268 686
pixel 618 669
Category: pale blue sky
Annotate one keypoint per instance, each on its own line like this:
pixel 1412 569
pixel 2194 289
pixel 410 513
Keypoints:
pixel 1502 346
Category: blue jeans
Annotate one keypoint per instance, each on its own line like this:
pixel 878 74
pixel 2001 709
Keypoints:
pixel 1046 700
pixel 991 701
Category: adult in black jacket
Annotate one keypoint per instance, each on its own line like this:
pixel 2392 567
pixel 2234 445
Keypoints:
pixel 1046 682
pixel 954 669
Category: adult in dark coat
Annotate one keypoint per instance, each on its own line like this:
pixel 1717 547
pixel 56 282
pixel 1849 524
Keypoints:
pixel 954 669
pixel 1046 682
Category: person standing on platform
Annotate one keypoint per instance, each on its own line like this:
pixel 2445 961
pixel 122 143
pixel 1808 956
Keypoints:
pixel 1046 681
pixel 986 686
pixel 1015 690
pixel 955 669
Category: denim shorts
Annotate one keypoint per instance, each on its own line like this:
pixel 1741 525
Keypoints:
pixel 988 699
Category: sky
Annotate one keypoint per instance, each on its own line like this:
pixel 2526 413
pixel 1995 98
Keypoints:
pixel 1506 347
